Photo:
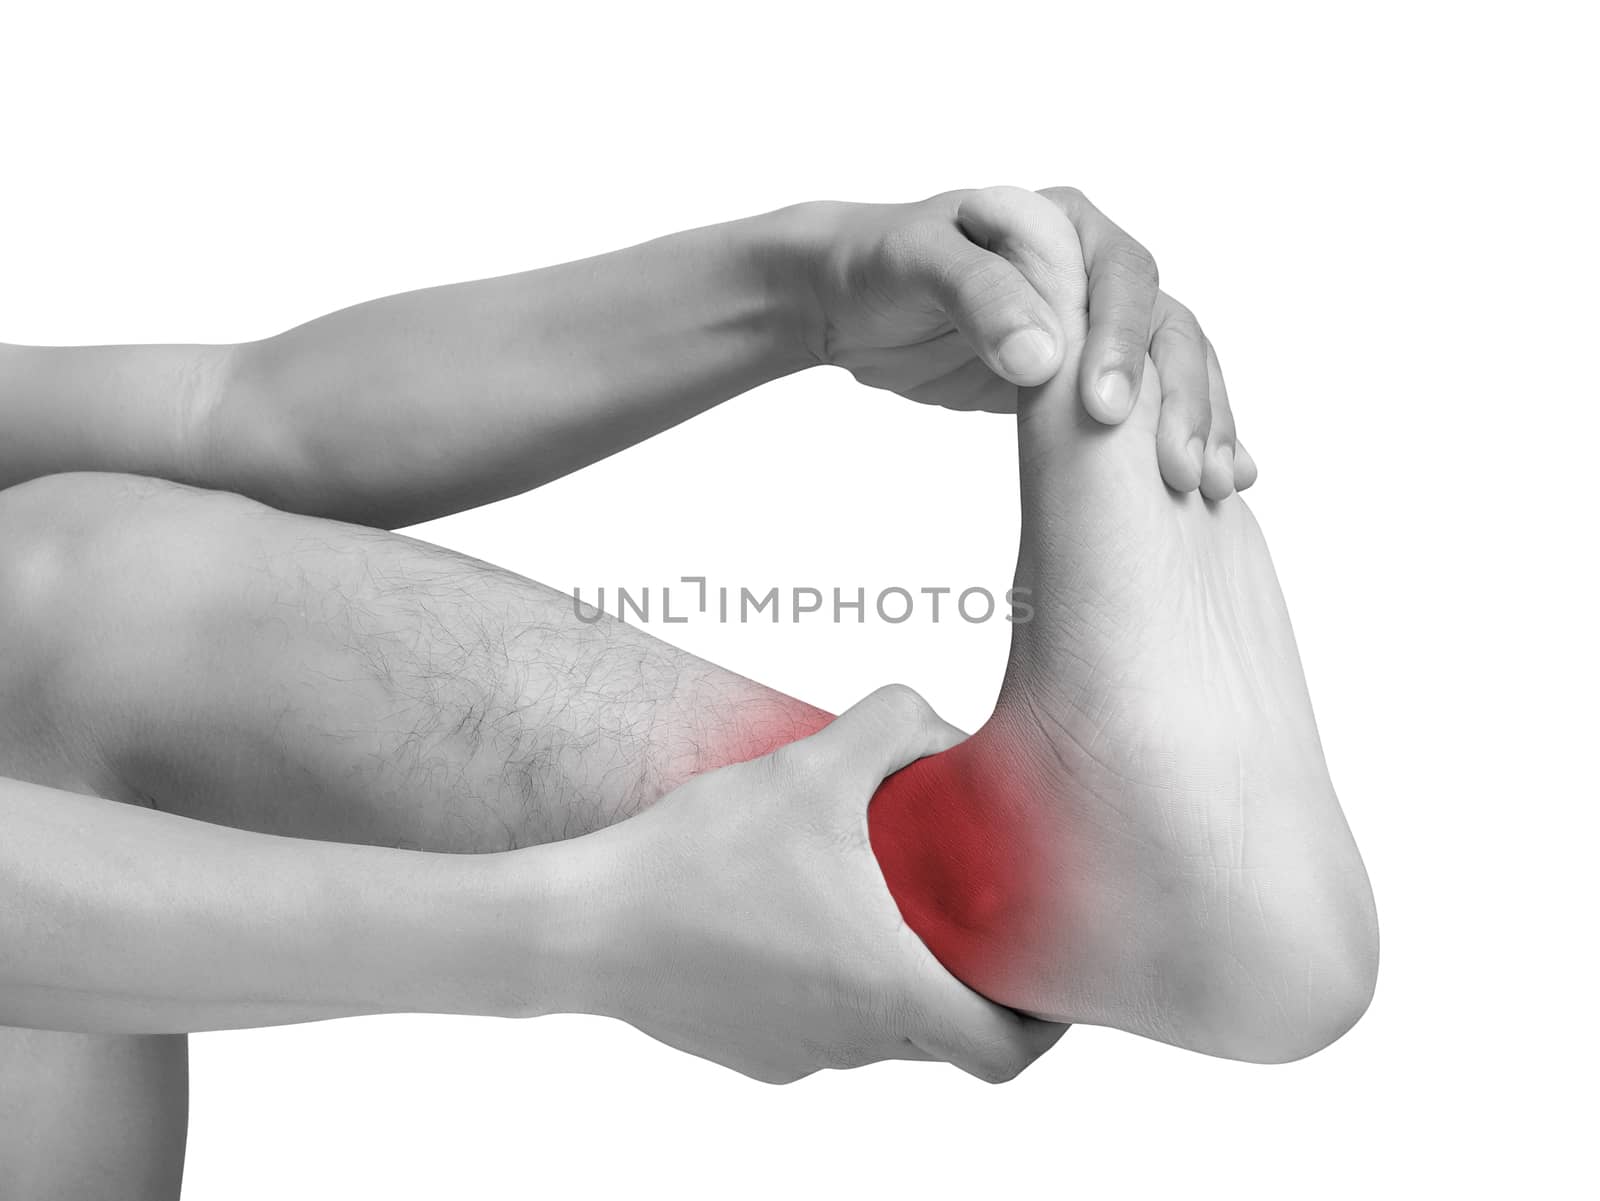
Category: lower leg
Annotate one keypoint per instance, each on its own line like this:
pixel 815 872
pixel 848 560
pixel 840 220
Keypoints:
pixel 207 655
pixel 210 656
pixel 1142 836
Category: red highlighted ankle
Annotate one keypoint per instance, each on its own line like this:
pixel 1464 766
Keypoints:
pixel 963 844
pixel 959 840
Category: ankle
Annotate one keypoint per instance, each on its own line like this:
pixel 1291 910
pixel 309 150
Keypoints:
pixel 967 850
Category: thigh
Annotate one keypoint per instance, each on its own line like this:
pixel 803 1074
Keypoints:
pixel 217 658
pixel 91 1116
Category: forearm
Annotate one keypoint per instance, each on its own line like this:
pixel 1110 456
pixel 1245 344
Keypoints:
pixel 117 919
pixel 105 408
pixel 417 405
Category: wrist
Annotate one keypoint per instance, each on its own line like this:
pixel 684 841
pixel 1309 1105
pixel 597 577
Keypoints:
pixel 432 933
pixel 416 932
pixel 541 928
pixel 795 246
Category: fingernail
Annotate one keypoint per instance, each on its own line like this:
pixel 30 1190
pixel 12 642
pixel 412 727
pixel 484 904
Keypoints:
pixel 1027 354
pixel 1116 395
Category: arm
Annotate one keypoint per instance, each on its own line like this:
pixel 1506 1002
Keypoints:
pixel 418 405
pixel 119 919
pixel 412 406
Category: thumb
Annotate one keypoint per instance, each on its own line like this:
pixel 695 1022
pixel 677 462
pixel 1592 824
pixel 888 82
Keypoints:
pixel 879 734
pixel 999 313
pixel 1037 241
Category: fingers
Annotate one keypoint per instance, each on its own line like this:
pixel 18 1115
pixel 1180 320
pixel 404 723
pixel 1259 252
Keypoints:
pixel 1178 349
pixel 1217 474
pixel 1222 442
pixel 1244 467
pixel 987 1041
pixel 1034 236
pixel 992 303
pixel 1123 286
pixel 877 736
pixel 1004 271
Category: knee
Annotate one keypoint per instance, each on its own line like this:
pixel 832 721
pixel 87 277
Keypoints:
pixel 73 544
pixel 43 526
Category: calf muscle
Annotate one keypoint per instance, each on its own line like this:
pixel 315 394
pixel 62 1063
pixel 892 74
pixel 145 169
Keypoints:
pixel 298 676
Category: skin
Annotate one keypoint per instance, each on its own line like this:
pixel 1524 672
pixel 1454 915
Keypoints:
pixel 1192 879
pixel 146 734
pixel 261 419
pixel 413 406
pixel 985 324
pixel 376 752
pixel 417 698
pixel 1201 869
pixel 219 928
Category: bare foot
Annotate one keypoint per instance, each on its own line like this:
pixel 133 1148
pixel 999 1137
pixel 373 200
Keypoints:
pixel 1144 835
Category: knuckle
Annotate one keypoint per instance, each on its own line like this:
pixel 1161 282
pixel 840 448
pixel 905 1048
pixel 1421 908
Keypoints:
pixel 977 282
pixel 1125 347
pixel 1178 346
pixel 1214 370
pixel 1187 328
pixel 989 216
pixel 797 763
pixel 997 196
pixel 1070 200
pixel 997 1061
pixel 905 703
pixel 794 770
pixel 1129 260
pixel 1178 317
pixel 1184 406
pixel 1003 1071
pixel 941 206
pixel 1221 409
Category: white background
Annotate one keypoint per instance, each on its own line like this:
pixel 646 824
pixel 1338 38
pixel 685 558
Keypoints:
pixel 1385 220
